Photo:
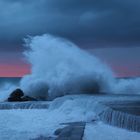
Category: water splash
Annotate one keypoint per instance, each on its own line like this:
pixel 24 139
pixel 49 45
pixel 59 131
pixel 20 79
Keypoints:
pixel 121 119
pixel 59 67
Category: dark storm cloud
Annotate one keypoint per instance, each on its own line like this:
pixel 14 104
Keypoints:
pixel 92 21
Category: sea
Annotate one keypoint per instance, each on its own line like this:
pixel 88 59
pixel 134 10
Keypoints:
pixel 10 80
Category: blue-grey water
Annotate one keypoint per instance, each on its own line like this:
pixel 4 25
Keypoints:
pixel 124 114
pixel 10 80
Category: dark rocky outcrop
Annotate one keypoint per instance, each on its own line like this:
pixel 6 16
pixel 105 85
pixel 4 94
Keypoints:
pixel 27 98
pixel 18 96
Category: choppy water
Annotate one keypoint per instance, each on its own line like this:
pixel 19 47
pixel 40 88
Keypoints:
pixel 10 80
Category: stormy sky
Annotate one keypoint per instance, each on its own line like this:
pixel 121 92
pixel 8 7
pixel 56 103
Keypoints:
pixel 109 29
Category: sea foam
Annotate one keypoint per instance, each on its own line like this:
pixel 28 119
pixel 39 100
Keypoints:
pixel 59 67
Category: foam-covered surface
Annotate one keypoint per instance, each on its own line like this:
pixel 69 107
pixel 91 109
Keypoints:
pixel 31 123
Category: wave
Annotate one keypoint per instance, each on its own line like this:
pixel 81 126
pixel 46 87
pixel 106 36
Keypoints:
pixel 59 67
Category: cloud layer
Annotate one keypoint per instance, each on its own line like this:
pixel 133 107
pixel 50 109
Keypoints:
pixel 92 24
pixel 84 21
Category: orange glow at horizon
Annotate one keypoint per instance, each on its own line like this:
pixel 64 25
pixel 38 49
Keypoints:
pixel 120 71
pixel 17 70
pixel 10 70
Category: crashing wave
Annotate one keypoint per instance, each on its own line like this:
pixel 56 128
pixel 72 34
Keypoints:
pixel 59 67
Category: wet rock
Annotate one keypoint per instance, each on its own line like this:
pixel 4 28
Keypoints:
pixel 16 95
pixel 27 98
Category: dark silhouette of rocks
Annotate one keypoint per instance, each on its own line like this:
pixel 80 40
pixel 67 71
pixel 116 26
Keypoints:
pixel 17 93
pixel 18 96
pixel 27 98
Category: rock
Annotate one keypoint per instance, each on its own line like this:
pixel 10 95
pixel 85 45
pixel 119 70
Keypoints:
pixel 16 95
pixel 27 98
